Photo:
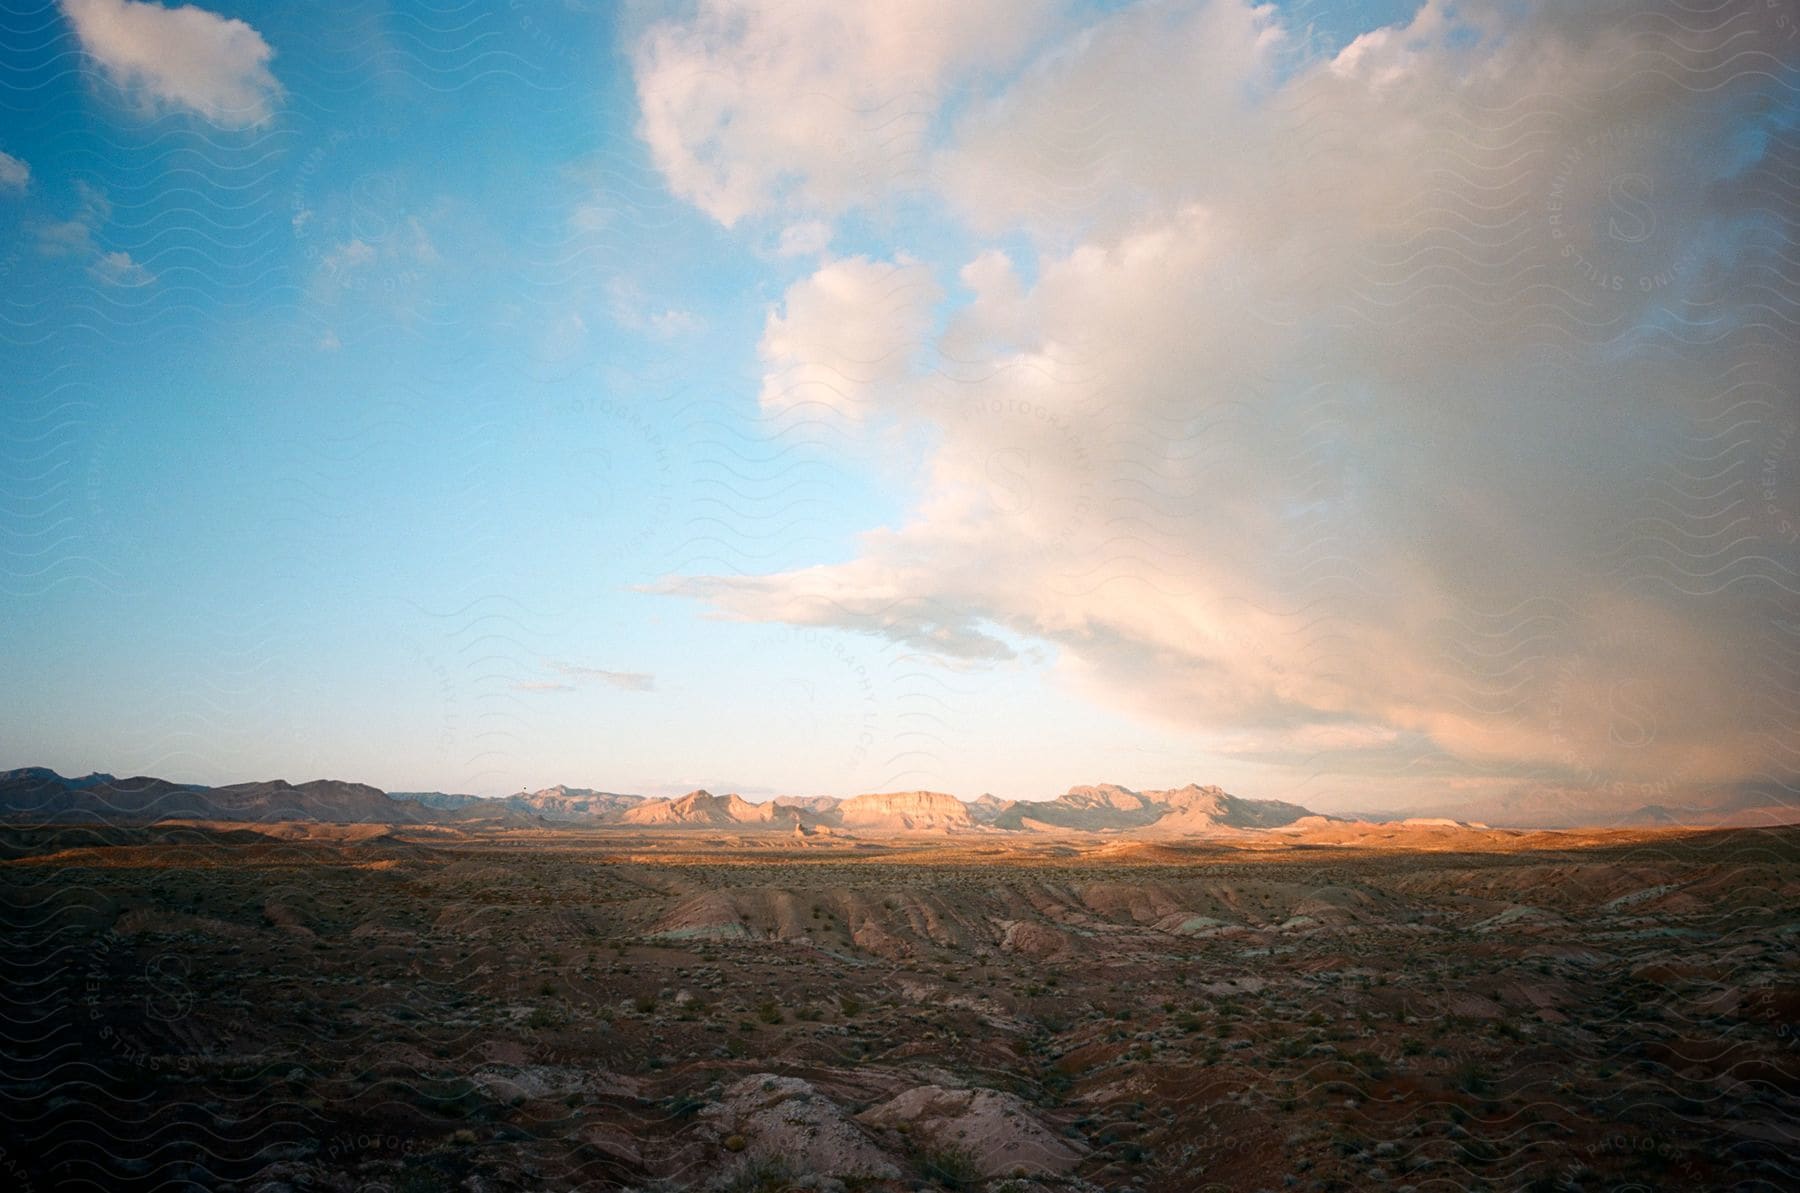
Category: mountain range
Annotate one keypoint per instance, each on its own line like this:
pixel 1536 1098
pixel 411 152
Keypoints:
pixel 39 794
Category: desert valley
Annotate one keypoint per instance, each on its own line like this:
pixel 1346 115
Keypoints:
pixel 324 987
pixel 941 596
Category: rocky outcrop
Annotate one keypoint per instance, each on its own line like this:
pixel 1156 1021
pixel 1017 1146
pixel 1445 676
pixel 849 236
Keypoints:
pixel 1190 810
pixel 996 1131
pixel 705 808
pixel 986 808
pixel 785 1119
pixel 823 807
pixel 905 812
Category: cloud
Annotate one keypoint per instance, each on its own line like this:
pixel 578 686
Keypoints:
pixel 817 105
pixel 632 309
pixel 376 264
pixel 15 175
pixel 66 238
pixel 630 681
pixel 76 238
pixel 179 58
pixel 396 267
pixel 1354 406
pixel 542 685
pixel 408 245
pixel 807 238
pixel 118 269
pixel 845 334
pixel 341 259
pixel 852 597
pixel 1154 100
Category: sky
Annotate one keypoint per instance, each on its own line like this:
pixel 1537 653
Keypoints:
pixel 1376 406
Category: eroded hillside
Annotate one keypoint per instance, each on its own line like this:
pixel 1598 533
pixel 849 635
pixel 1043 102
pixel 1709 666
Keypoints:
pixel 353 1007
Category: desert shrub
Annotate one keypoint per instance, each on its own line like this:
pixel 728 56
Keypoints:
pixel 683 1106
pixel 950 1166
pixel 768 1011
pixel 849 1005
pixel 1474 1150
pixel 1471 1076
pixel 420 1178
pixel 765 1175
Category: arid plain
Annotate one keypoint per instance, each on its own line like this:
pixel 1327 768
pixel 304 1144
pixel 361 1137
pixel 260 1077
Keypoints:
pixel 356 1006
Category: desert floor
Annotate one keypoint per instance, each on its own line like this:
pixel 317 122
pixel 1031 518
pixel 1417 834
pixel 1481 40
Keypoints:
pixel 360 1008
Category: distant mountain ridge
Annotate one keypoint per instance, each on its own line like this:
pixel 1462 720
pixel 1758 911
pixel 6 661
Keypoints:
pixel 41 794
pixel 1107 807
pixel 705 808
pixel 559 803
pixel 905 811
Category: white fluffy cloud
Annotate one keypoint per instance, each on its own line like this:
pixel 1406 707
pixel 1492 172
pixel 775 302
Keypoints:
pixel 814 103
pixel 1350 408
pixel 846 335
pixel 1152 101
pixel 183 58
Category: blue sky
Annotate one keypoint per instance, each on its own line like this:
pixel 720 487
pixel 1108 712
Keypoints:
pixel 639 398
